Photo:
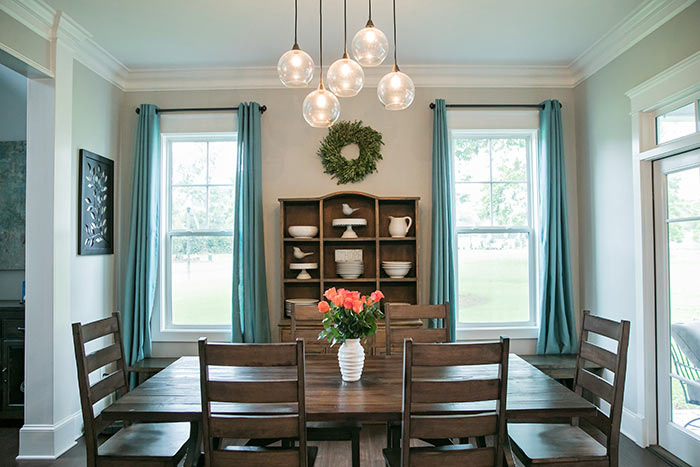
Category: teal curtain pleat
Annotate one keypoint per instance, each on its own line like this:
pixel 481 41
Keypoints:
pixel 142 263
pixel 557 320
pixel 251 319
pixel 443 272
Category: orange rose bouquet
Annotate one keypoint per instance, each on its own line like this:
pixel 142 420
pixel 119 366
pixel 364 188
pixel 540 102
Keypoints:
pixel 349 315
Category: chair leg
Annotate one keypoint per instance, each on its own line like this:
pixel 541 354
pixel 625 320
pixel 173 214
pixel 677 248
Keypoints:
pixel 355 449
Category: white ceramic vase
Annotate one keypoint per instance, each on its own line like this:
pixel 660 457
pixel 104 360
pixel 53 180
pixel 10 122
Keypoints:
pixel 351 358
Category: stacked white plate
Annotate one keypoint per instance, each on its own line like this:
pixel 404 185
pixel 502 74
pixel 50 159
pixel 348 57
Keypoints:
pixel 297 301
pixel 396 269
pixel 349 269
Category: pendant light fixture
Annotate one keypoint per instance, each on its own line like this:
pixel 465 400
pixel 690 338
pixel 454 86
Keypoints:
pixel 370 45
pixel 396 90
pixel 345 76
pixel 295 67
pixel 321 108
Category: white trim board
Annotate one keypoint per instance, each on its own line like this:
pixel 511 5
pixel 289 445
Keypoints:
pixel 39 17
pixel 59 437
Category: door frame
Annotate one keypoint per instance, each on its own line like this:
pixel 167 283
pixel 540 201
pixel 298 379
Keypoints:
pixel 668 432
pixel 676 84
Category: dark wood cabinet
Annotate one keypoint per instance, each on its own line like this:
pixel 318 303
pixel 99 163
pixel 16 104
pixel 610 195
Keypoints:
pixel 373 239
pixel 11 360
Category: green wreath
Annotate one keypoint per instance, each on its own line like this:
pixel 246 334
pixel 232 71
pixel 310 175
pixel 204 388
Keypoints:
pixel 340 135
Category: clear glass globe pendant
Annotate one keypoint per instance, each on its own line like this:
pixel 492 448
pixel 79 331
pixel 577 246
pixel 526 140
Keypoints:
pixel 345 77
pixel 321 108
pixel 396 90
pixel 370 46
pixel 295 68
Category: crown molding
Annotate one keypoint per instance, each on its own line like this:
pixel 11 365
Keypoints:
pixel 51 25
pixel 36 15
pixel 633 28
pixel 443 76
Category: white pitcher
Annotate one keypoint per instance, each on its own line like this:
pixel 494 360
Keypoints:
pixel 398 226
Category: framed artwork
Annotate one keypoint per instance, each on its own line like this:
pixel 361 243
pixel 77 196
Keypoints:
pixel 96 205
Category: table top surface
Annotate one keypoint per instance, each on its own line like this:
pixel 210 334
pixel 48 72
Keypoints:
pixel 174 393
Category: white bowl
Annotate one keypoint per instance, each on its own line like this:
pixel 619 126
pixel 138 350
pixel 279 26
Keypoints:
pixel 303 231
pixel 397 272
pixel 397 263
pixel 350 276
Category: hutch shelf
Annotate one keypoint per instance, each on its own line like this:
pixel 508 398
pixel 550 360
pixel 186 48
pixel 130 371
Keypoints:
pixel 373 239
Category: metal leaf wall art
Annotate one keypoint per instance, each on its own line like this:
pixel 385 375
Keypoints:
pixel 96 230
pixel 96 204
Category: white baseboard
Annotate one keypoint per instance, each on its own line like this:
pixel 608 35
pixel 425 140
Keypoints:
pixel 44 441
pixel 634 427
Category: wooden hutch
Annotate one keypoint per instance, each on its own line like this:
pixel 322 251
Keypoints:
pixel 373 239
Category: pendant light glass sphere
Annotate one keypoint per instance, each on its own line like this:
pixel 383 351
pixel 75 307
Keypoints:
pixel 345 77
pixel 321 108
pixel 370 46
pixel 396 90
pixel 295 68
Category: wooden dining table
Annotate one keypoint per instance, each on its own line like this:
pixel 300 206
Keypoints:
pixel 173 395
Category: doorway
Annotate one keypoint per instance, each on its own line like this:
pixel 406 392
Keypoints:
pixel 676 182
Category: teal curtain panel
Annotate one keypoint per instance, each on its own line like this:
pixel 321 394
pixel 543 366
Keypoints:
pixel 251 319
pixel 142 264
pixel 557 333
pixel 443 267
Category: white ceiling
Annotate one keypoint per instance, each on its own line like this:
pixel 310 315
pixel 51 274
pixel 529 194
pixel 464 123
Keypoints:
pixel 237 33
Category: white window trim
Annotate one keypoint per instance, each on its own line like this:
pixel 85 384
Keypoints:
pixel 162 329
pixel 517 329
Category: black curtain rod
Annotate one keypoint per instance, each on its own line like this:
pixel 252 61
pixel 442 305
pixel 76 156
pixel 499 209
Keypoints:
pixel 492 106
pixel 263 108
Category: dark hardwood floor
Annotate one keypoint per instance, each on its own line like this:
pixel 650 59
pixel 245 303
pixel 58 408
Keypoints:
pixel 330 454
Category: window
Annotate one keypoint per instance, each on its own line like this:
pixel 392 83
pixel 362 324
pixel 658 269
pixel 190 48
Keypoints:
pixel 677 123
pixel 495 228
pixel 198 225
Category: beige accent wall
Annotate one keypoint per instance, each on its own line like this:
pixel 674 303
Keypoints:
pixel 292 168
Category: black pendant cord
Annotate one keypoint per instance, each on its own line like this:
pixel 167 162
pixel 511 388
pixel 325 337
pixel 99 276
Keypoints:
pixel 320 38
pixel 296 43
pixel 345 28
pixel 396 66
pixel 369 19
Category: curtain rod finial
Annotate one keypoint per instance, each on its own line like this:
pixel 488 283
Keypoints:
pixel 263 109
pixel 432 105
pixel 138 110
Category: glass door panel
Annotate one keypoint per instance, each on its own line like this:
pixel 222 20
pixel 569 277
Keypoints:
pixel 677 231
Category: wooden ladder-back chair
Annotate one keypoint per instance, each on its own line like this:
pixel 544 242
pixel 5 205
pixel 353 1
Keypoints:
pixel 395 336
pixel 151 444
pixel 323 431
pixel 273 382
pixel 433 397
pixel 591 441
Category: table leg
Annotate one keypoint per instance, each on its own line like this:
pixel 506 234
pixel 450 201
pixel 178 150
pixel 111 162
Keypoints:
pixel 194 445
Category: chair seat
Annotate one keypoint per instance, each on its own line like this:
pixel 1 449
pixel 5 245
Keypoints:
pixel 392 457
pixel 539 443
pixel 148 440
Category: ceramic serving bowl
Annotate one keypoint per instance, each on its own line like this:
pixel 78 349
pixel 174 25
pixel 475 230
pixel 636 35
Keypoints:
pixel 396 271
pixel 303 231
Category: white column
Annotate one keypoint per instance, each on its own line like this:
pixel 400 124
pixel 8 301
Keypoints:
pixel 52 410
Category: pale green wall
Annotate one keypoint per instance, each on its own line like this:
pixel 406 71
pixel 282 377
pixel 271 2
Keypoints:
pixel 604 151
pixel 96 107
